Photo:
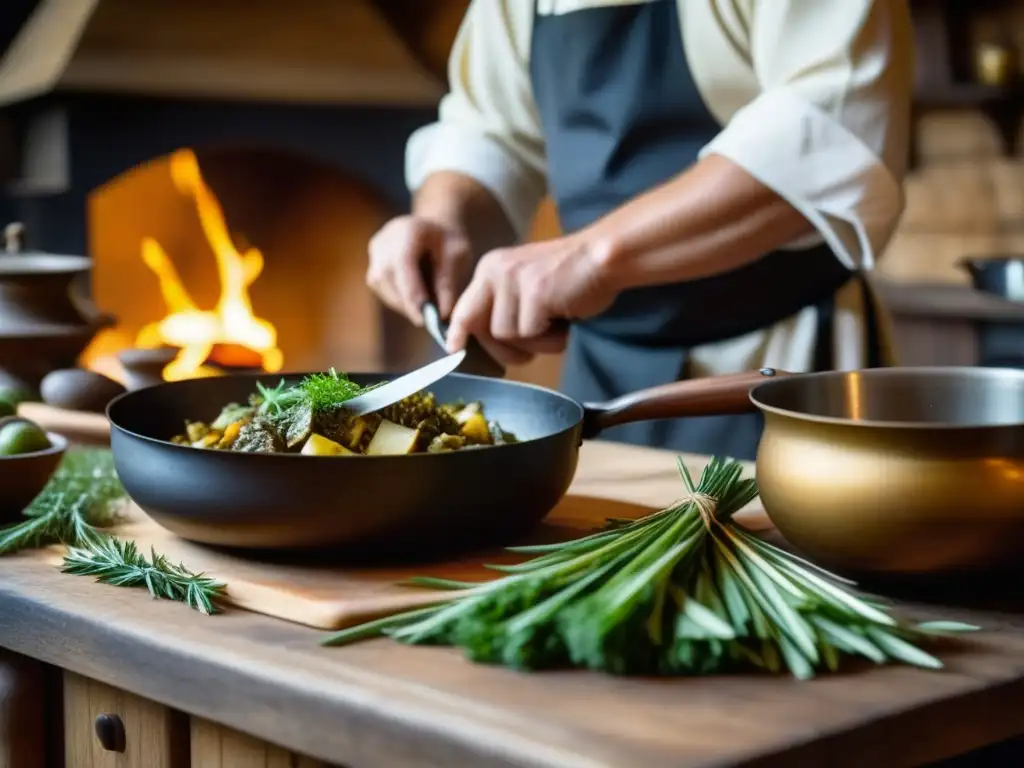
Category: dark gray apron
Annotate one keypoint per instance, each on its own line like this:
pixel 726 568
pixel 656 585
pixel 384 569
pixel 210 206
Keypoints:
pixel 621 114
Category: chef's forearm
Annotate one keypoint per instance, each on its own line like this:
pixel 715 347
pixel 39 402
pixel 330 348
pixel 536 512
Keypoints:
pixel 713 218
pixel 461 204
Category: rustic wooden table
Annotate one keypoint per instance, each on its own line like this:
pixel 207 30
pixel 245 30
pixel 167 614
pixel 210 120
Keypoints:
pixel 241 689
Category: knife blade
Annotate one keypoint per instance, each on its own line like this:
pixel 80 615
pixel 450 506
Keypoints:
pixel 403 386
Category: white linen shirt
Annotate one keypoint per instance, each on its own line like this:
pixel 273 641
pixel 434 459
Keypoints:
pixel 813 97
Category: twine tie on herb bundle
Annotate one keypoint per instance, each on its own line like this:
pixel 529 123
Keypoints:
pixel 705 505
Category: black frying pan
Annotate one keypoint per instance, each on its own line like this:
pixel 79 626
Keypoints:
pixel 377 503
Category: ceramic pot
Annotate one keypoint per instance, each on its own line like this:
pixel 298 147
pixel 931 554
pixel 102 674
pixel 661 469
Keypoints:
pixel 46 320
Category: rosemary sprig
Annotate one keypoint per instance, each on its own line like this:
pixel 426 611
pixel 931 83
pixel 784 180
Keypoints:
pixel 81 500
pixel 119 563
pixel 681 591
pixel 81 497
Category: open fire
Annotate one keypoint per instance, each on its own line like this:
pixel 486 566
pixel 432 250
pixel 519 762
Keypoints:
pixel 196 333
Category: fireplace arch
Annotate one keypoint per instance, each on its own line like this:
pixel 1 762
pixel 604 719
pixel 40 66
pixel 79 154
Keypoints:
pixel 309 220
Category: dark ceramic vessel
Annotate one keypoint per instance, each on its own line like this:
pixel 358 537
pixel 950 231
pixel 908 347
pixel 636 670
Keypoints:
pixel 22 477
pixel 46 319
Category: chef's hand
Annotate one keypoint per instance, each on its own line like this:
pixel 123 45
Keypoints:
pixel 398 253
pixel 518 295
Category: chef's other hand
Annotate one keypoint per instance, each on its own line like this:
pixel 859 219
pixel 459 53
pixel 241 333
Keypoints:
pixel 401 249
pixel 519 297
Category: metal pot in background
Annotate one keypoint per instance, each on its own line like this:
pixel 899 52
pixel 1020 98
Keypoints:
pixel 1000 343
pixel 997 274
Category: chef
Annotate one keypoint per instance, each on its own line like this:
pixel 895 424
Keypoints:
pixel 725 173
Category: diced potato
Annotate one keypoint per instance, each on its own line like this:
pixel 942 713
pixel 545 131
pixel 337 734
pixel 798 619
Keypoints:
pixel 318 445
pixel 475 429
pixel 392 440
pixel 230 434
pixel 209 440
pixel 467 412
pixel 196 431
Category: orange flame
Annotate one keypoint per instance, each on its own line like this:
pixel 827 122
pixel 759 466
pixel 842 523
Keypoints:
pixel 195 331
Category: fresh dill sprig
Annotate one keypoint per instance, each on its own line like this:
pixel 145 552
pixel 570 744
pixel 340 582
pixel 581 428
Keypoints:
pixel 119 563
pixel 81 499
pixel 318 391
pixel 329 390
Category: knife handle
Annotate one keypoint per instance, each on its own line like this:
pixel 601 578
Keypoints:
pixel 438 328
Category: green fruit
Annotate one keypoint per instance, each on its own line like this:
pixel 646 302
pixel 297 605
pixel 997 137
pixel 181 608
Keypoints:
pixel 19 437
pixel 15 396
pixel 6 408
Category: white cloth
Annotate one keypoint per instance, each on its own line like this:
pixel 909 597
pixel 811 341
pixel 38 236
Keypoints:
pixel 813 97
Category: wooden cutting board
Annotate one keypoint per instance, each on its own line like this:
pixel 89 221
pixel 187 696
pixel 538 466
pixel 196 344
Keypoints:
pixel 612 481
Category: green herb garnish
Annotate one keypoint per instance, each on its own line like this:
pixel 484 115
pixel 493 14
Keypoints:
pixel 81 499
pixel 274 401
pixel 681 591
pixel 320 391
pixel 117 562
pixel 329 390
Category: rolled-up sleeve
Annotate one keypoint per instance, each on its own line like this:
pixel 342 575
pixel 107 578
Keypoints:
pixel 829 130
pixel 487 126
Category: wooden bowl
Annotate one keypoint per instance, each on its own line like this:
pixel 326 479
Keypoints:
pixel 23 476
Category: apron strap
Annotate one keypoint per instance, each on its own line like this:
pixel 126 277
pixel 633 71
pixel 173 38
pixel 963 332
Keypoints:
pixel 824 348
pixel 871 329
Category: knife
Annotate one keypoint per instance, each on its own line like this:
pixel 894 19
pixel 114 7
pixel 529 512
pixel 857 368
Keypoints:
pixel 403 386
pixel 478 361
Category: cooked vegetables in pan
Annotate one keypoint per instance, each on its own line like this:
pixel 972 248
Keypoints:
pixel 310 418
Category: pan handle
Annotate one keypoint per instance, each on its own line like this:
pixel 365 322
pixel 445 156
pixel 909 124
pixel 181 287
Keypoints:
pixel 710 396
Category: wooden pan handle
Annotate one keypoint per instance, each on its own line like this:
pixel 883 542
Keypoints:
pixel 710 396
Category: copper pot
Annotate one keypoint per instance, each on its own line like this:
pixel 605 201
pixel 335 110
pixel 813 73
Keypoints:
pixel 890 470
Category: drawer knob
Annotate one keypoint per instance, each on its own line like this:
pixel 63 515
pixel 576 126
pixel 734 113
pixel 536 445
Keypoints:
pixel 110 732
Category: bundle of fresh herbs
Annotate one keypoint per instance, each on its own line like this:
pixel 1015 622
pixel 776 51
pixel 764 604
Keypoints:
pixel 81 499
pixel 682 591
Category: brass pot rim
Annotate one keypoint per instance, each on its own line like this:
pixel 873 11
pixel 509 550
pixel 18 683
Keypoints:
pixel 761 392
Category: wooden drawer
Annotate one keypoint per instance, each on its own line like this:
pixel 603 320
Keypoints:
pixel 214 746
pixel 136 733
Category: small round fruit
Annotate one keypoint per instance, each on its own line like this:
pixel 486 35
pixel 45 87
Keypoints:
pixel 6 409
pixel 16 396
pixel 20 437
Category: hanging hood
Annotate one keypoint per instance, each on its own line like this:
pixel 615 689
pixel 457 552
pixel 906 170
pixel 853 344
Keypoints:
pixel 371 52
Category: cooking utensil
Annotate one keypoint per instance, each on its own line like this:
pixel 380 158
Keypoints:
pixel 890 470
pixel 896 470
pixel 45 321
pixel 403 386
pixel 477 360
pixel 383 504
pixel 999 275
